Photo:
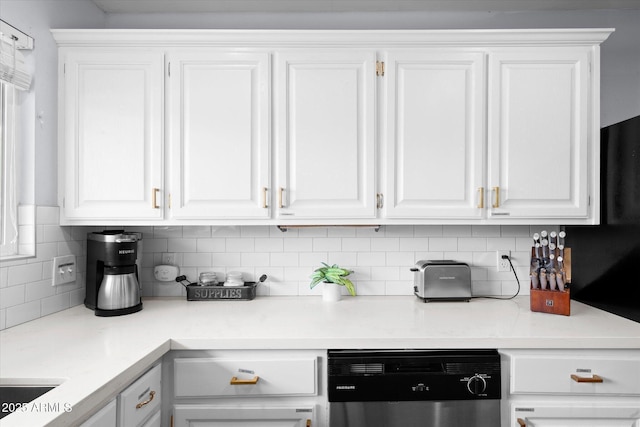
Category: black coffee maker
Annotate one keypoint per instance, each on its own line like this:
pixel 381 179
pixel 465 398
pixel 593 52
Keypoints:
pixel 112 273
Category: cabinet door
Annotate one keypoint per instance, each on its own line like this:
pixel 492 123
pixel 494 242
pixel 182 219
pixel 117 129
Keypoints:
pixel 219 134
pixel 539 133
pixel 105 417
pixel 435 135
pixel 574 415
pixel 232 416
pixel 325 123
pixel 111 151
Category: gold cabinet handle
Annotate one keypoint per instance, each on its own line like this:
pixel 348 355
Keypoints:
pixel 154 198
pixel 152 394
pixel 496 202
pixel 238 381
pixel 280 191
pixel 521 422
pixel 481 198
pixel 592 379
pixel 264 197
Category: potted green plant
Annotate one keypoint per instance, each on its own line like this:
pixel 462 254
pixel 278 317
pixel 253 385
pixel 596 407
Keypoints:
pixel 333 278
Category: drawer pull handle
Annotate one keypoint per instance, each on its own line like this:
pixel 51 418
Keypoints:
pixel 521 422
pixel 154 198
pixel 238 381
pixel 593 379
pixel 152 394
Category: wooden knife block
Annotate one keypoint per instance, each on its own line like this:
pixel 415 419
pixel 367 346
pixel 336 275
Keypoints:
pixel 553 302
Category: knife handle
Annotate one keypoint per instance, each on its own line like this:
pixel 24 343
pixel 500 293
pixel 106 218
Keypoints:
pixel 535 281
pixel 521 422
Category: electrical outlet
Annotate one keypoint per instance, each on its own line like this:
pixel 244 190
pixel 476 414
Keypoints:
pixel 169 259
pixel 503 264
pixel 64 270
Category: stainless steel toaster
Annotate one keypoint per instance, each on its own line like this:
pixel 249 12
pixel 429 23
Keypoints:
pixel 442 280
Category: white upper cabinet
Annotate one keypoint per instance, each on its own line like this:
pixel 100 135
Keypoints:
pixel 539 134
pixel 110 163
pixel 329 127
pixel 219 141
pixel 435 134
pixel 325 133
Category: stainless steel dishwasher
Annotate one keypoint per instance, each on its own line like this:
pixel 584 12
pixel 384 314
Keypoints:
pixel 411 388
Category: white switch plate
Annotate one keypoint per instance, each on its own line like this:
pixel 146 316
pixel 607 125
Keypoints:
pixel 64 270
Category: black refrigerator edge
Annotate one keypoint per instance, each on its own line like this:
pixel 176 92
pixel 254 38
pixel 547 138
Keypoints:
pixel 606 258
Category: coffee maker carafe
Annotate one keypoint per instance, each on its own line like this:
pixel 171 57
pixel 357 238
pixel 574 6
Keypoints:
pixel 112 273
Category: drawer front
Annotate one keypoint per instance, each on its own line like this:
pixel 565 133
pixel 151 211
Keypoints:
pixel 141 399
pixel 219 377
pixel 575 375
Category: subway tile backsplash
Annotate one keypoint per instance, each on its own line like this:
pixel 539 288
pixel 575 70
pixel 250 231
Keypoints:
pixel 380 259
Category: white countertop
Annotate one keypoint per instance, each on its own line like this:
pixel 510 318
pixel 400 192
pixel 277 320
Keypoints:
pixel 95 357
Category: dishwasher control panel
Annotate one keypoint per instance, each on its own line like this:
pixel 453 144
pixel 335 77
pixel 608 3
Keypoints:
pixel 413 375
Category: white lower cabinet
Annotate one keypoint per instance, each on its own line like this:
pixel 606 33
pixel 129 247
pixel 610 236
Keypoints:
pixel 565 388
pixel 141 400
pixel 105 417
pixel 569 414
pixel 274 388
pixel 216 416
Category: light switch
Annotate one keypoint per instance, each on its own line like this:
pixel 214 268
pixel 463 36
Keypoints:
pixel 64 270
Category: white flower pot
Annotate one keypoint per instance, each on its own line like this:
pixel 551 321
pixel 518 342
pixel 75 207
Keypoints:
pixel 331 292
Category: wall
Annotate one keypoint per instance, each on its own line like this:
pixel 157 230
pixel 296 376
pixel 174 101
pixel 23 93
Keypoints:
pixel 380 260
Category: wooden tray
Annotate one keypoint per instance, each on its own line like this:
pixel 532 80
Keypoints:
pixel 553 302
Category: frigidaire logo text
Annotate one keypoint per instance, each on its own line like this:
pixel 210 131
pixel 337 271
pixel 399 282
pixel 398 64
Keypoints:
pixel 126 251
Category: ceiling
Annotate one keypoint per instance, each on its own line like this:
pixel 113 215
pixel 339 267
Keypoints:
pixel 222 6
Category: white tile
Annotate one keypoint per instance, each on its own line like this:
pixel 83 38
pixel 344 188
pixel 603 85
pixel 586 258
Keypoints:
pixel 385 244
pixel 55 233
pixel 255 259
pixel 167 289
pixel 12 296
pixel 211 245
pixel 76 297
pixel 55 303
pixel 473 244
pixel 385 273
pixel 356 244
pixel 240 244
pixel 370 287
pixel 27 234
pixel 398 287
pixel 501 243
pixel 181 245
pixel 486 288
pixel 367 232
pixel 443 244
pixel 225 231
pixel 341 232
pixel 299 244
pixel 284 259
pixel 196 260
pixel 45 251
pixel 485 231
pixel 295 274
pixel 155 245
pixel 287 288
pixel 343 259
pixel 456 231
pixel 3 319
pixel 27 214
pixel 414 244
pixel 400 259
pixel 484 259
pixel 312 232
pixel 196 231
pixel 22 313
pixel 269 244
pixel 4 278
pixel 466 257
pixel 167 231
pixel 328 244
pixel 311 259
pixel 428 230
pixel 515 231
pixel 38 290
pixel 255 231
pixel 47 215
pixel 226 259
pixel 398 230
pixel 371 258
pixel 70 248
pixel 24 273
